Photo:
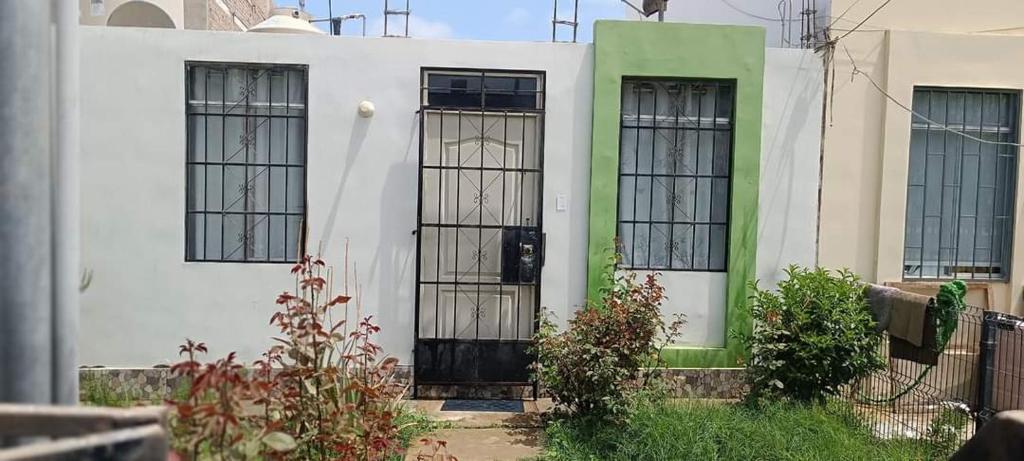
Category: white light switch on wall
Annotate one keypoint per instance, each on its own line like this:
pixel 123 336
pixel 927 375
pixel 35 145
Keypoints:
pixel 561 202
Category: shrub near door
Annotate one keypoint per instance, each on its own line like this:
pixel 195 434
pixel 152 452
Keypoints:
pixel 811 336
pixel 610 352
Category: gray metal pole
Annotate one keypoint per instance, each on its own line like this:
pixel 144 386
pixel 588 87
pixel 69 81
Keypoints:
pixel 25 198
pixel 66 208
pixel 26 93
pixel 986 369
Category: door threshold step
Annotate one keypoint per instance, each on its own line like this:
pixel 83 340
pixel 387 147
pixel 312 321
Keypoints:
pixel 489 406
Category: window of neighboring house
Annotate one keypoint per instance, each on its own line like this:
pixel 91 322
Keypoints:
pixel 674 168
pixel 960 190
pixel 246 162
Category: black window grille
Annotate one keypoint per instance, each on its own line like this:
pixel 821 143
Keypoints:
pixel 246 162
pixel 484 90
pixel 674 168
pixel 960 189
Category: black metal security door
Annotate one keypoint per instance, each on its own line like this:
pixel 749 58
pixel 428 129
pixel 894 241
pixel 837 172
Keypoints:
pixel 480 243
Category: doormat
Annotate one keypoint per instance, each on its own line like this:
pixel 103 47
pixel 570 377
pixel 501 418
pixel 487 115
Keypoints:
pixel 502 406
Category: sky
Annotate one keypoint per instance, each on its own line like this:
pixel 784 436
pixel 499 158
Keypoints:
pixel 523 20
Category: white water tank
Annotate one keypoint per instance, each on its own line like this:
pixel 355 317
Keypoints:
pixel 287 21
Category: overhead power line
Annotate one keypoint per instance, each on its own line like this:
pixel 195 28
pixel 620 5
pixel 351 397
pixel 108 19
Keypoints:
pixel 944 127
pixel 843 14
pixel 861 23
pixel 755 16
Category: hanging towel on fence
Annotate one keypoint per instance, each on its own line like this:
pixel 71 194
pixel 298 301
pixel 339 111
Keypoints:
pixel 908 317
pixel 926 353
pixel 880 299
pixel 913 329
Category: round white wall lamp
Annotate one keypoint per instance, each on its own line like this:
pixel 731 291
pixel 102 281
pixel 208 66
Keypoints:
pixel 366 109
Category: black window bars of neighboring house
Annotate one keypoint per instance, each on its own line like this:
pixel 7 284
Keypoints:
pixel 960 191
pixel 246 162
pixel 676 138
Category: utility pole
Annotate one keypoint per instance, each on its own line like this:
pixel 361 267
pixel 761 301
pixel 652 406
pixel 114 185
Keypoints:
pixel 39 202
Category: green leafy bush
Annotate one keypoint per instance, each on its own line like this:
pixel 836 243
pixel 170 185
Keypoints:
pixel 610 352
pixel 810 337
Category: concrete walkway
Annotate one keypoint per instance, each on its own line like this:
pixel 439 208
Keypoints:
pixel 487 436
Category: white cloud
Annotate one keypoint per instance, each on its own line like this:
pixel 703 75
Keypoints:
pixel 425 28
pixel 517 16
pixel 418 27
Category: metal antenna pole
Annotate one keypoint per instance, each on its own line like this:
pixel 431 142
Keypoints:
pixel 338 22
pixel 388 12
pixel 574 23
pixel 575 19
pixel 554 22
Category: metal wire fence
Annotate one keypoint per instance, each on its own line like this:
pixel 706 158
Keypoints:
pixel 980 373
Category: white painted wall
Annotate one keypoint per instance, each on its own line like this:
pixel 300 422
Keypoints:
pixel 144 299
pixel 788 196
pixel 790 157
pixel 763 13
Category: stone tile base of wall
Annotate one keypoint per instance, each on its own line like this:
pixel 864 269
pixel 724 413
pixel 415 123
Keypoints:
pixel 157 384
pixel 149 385
pixel 707 383
pixel 432 392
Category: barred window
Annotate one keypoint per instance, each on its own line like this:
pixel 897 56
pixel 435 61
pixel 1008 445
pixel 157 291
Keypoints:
pixel 674 168
pixel 960 191
pixel 246 162
pixel 487 90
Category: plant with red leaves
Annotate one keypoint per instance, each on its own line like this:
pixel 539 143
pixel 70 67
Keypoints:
pixel 434 450
pixel 610 354
pixel 323 391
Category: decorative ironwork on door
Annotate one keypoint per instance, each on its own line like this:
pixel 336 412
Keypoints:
pixel 480 240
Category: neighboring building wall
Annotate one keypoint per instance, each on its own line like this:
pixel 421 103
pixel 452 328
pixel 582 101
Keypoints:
pixel 867 139
pixel 951 16
pixel 227 14
pixel 190 14
pixel 173 8
pixel 144 299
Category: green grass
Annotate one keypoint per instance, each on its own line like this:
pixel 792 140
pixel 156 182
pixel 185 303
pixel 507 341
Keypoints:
pixel 98 391
pixel 705 431
pixel 414 425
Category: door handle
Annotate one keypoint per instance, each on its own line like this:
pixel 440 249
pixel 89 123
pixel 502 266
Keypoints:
pixel 543 247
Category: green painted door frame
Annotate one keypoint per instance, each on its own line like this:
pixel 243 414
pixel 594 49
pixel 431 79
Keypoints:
pixel 646 49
